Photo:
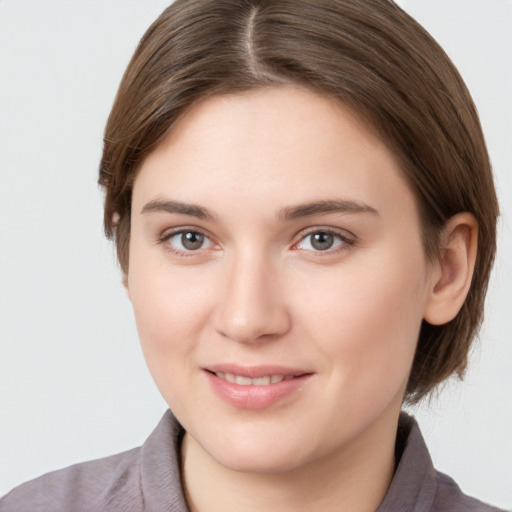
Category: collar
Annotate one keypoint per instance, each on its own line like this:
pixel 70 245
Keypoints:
pixel 413 486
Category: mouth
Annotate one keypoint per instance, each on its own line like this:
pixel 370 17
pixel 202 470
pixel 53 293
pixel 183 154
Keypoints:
pixel 256 387
pixel 248 381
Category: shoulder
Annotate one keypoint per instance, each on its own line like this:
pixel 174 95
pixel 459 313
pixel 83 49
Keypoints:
pixel 79 487
pixel 417 486
pixel 143 479
pixel 450 498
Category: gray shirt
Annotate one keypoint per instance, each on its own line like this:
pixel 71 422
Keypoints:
pixel 148 479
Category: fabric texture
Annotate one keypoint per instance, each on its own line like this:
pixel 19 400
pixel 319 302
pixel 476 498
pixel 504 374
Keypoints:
pixel 147 479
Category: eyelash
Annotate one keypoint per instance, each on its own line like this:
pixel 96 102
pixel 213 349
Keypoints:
pixel 166 237
pixel 346 241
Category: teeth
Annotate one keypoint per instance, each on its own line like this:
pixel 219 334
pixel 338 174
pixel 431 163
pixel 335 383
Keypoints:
pixel 258 381
pixel 261 381
pixel 243 381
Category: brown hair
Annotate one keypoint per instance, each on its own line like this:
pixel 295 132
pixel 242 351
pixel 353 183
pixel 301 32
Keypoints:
pixel 371 56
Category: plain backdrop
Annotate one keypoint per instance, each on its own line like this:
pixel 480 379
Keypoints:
pixel 73 383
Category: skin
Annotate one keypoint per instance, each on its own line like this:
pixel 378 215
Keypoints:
pixel 258 292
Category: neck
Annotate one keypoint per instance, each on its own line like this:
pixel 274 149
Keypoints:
pixel 354 477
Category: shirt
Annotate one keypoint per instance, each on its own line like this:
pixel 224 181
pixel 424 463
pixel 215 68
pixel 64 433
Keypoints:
pixel 147 479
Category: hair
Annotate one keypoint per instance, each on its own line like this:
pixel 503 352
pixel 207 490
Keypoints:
pixel 372 57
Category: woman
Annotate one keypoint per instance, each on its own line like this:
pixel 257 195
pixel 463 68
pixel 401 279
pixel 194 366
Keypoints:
pixel 304 214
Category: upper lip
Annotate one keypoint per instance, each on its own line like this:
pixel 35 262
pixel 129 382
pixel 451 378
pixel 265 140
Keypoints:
pixel 257 371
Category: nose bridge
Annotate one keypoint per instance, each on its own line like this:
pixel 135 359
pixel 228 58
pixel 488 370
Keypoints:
pixel 251 306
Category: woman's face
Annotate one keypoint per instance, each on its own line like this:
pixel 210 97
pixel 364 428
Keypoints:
pixel 278 278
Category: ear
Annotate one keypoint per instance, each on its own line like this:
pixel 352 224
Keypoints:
pixel 451 275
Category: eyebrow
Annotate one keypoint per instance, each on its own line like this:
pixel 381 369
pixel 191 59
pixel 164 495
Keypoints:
pixel 325 207
pixel 193 210
pixel 289 213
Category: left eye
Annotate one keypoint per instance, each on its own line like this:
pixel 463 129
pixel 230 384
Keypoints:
pixel 322 241
pixel 188 241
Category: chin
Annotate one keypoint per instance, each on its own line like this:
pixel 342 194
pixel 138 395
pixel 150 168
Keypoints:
pixel 260 462
pixel 266 453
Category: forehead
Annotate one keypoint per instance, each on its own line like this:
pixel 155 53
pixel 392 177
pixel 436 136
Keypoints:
pixel 281 144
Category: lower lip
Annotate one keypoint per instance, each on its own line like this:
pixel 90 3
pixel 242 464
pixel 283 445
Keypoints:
pixel 253 396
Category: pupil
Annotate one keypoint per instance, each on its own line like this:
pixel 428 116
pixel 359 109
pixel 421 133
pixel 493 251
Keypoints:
pixel 192 240
pixel 322 241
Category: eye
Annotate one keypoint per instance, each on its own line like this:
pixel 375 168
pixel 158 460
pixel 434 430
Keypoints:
pixel 187 240
pixel 323 241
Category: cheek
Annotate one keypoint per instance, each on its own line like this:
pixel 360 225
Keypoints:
pixel 367 322
pixel 171 308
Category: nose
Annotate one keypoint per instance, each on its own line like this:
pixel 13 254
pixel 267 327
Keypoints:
pixel 250 305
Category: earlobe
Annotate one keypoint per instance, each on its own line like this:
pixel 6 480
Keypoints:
pixel 451 277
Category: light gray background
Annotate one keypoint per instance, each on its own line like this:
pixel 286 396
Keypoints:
pixel 73 384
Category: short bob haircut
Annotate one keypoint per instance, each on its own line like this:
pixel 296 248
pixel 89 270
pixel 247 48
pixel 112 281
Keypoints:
pixel 371 56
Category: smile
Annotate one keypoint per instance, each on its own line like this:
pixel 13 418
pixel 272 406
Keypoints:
pixel 248 381
pixel 256 387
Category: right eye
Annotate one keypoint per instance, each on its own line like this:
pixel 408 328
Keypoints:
pixel 187 241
